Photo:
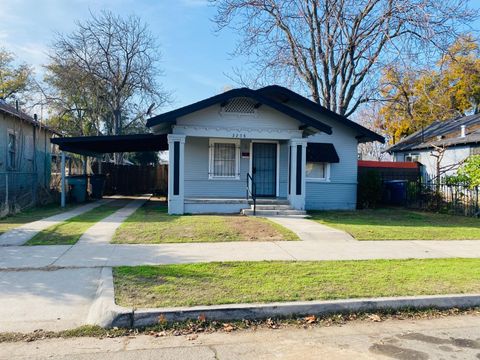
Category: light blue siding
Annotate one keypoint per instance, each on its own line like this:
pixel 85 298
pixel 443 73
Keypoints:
pixel 197 183
pixel 330 196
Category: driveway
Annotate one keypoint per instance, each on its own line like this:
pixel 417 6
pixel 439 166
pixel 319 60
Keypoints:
pixel 46 299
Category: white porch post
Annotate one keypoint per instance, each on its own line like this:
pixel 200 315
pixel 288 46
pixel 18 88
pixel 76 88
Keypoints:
pixel 176 159
pixel 63 185
pixel 296 186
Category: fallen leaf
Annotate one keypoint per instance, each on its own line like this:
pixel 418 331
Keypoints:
pixel 202 317
pixel 374 317
pixel 310 319
pixel 228 327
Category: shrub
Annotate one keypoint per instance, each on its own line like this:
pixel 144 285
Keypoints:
pixel 370 189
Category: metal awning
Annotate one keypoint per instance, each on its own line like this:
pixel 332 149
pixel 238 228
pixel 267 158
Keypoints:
pixel 96 145
pixel 322 152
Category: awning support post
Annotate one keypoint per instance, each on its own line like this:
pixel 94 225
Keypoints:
pixel 63 195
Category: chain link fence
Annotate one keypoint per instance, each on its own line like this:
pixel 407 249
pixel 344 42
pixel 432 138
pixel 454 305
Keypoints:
pixel 20 190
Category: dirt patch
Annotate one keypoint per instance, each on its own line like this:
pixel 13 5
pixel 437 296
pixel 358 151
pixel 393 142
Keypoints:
pixel 251 229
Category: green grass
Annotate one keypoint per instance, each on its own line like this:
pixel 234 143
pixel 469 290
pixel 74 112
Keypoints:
pixel 68 232
pixel 29 215
pixel 151 224
pixel 400 224
pixel 248 282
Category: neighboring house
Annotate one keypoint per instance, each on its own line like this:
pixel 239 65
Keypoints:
pixel 295 151
pixel 25 157
pixel 452 140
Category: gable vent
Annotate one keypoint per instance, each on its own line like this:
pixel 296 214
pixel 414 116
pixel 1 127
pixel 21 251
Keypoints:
pixel 240 106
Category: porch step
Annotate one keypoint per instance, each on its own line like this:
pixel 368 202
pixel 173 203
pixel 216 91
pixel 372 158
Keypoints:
pixel 263 201
pixel 272 207
pixel 273 212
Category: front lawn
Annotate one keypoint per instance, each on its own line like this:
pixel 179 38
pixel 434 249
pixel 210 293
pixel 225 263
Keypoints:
pixel 400 224
pixel 249 282
pixel 29 215
pixel 151 224
pixel 68 232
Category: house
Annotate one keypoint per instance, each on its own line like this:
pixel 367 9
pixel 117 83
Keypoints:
pixel 25 158
pixel 440 147
pixel 270 143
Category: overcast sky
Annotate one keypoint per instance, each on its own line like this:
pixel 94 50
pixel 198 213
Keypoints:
pixel 194 57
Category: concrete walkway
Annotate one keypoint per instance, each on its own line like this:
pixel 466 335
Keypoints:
pixel 20 235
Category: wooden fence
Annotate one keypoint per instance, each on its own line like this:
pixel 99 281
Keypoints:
pixel 134 179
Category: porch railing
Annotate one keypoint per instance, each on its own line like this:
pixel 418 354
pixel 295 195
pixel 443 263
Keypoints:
pixel 252 192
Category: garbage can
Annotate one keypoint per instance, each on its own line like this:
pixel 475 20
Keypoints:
pixel 398 191
pixel 97 182
pixel 78 185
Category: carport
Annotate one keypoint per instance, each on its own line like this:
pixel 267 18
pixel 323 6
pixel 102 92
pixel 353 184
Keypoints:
pixel 97 145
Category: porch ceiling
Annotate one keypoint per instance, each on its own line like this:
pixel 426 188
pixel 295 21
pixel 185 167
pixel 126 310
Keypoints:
pixel 95 145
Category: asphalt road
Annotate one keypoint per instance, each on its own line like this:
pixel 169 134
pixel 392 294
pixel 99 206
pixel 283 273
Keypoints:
pixel 452 337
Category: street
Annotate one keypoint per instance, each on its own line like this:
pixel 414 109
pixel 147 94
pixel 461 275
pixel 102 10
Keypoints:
pixel 450 337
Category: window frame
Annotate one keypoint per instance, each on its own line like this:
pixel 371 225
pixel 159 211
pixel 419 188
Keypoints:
pixel 12 167
pixel 211 162
pixel 317 179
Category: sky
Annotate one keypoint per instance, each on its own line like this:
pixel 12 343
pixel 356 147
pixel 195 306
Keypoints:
pixel 195 58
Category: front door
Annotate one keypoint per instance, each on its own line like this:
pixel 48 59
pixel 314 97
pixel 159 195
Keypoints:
pixel 264 168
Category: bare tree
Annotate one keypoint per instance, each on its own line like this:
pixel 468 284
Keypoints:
pixel 115 62
pixel 335 47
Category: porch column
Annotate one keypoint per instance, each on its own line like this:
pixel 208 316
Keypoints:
pixel 176 157
pixel 62 181
pixel 296 173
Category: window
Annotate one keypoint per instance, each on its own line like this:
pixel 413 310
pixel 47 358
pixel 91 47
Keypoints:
pixel 12 150
pixel 224 159
pixel 412 157
pixel 317 171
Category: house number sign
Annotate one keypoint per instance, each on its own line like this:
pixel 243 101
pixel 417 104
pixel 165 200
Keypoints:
pixel 239 135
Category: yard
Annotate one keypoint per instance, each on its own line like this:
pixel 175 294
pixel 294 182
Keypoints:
pixel 400 224
pixel 151 224
pixel 249 282
pixel 29 215
pixel 68 232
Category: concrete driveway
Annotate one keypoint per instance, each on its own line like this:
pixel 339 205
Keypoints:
pixel 46 299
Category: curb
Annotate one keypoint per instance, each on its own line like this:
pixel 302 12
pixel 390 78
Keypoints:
pixel 146 317
pixel 104 312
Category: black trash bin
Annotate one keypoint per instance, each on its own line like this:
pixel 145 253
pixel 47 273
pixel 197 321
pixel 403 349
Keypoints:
pixel 98 183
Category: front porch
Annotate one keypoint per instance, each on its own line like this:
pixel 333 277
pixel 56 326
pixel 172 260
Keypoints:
pixel 223 175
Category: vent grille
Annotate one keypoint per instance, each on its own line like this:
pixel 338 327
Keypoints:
pixel 239 106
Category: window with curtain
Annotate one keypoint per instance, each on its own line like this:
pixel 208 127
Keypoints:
pixel 224 159
pixel 317 170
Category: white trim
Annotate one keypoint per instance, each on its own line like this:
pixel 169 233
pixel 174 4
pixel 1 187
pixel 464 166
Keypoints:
pixel 313 179
pixel 236 132
pixel 211 143
pixel 250 167
pixel 16 148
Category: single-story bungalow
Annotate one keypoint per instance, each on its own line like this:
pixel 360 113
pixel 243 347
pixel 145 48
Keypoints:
pixel 270 143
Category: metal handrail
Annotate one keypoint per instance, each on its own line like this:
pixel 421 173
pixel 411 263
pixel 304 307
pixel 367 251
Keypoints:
pixel 252 192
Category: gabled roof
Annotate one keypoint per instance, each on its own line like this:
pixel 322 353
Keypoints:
pixel 12 111
pixel 442 133
pixel 171 116
pixel 285 95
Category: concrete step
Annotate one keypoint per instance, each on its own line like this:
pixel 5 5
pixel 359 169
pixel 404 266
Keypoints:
pixel 272 207
pixel 274 212
pixel 263 201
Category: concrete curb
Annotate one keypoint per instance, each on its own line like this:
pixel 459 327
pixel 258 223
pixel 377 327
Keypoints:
pixel 103 311
pixel 145 317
